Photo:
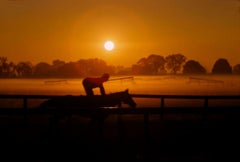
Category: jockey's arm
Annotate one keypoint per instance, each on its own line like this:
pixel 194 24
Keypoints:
pixel 102 90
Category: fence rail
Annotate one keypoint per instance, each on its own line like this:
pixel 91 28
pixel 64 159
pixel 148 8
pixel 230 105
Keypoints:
pixel 139 110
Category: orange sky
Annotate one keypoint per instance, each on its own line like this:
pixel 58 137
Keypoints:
pixel 69 30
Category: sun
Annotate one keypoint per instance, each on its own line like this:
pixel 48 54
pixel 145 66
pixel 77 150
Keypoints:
pixel 109 45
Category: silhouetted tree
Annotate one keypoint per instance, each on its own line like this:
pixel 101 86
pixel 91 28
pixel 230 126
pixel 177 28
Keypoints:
pixel 4 68
pixel 12 69
pixel 98 67
pixel 55 68
pixel 153 64
pixel 24 69
pixel 58 63
pixel 174 62
pixel 42 69
pixel 94 67
pixel 193 67
pixel 68 70
pixel 222 66
pixel 140 67
pixel 236 69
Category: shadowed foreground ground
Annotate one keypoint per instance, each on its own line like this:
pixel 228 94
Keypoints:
pixel 171 139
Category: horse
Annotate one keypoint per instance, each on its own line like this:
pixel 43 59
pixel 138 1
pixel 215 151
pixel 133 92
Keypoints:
pixel 93 106
pixel 95 101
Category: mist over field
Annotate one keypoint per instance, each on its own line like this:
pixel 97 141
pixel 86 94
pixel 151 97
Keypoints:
pixel 160 85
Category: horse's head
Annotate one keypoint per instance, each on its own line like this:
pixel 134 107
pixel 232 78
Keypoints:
pixel 127 99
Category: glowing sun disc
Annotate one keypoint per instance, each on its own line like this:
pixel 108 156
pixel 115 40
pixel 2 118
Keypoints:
pixel 109 45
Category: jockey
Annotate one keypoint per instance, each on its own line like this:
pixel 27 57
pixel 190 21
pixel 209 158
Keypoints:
pixel 89 83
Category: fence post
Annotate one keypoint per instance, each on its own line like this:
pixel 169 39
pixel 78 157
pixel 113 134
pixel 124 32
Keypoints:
pixel 146 125
pixel 205 109
pixel 25 110
pixel 24 102
pixel 206 103
pixel 162 107
pixel 146 134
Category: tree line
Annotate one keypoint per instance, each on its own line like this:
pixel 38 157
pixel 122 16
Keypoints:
pixel 154 64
